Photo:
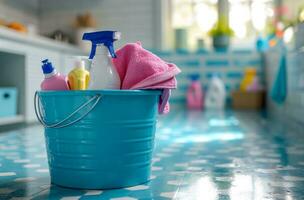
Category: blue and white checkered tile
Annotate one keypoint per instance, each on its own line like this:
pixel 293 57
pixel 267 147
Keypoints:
pixel 198 155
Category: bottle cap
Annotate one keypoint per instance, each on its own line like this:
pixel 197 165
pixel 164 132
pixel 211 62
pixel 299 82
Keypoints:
pixel 79 64
pixel 194 77
pixel 47 67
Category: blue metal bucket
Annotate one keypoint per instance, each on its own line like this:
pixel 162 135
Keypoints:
pixel 98 139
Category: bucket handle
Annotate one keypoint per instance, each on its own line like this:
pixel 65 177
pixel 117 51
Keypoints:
pixel 60 124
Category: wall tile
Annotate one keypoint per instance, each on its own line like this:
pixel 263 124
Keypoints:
pixel 217 63
pixel 291 110
pixel 134 18
pixel 209 64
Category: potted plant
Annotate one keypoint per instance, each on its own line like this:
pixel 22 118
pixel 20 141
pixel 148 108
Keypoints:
pixel 221 33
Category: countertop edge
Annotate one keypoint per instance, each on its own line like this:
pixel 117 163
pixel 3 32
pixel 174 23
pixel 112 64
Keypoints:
pixel 37 40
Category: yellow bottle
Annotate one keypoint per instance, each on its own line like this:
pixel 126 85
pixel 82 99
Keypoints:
pixel 79 77
pixel 249 76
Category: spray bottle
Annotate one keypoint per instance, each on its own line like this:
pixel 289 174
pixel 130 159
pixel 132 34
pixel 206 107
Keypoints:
pixel 103 73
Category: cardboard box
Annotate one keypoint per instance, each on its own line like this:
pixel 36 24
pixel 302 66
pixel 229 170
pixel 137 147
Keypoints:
pixel 248 100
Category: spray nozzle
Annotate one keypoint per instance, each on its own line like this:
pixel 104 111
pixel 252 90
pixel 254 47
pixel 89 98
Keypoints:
pixel 102 37
pixel 45 61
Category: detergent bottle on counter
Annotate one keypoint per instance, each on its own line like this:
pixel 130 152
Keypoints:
pixel 195 94
pixel 103 73
pixel 79 77
pixel 216 94
pixel 249 77
pixel 52 79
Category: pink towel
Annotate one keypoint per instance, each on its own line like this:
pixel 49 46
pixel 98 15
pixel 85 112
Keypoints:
pixel 141 69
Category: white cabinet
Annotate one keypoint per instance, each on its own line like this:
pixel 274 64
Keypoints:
pixel 33 54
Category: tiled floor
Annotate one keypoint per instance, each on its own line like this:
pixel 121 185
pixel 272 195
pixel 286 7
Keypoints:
pixel 227 156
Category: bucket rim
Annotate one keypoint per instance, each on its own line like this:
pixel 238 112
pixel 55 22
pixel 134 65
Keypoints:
pixel 101 92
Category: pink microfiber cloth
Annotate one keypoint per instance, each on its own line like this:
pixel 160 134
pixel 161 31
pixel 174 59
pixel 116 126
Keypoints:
pixel 141 69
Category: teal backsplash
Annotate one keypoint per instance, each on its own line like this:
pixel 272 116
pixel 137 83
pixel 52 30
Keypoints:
pixel 229 66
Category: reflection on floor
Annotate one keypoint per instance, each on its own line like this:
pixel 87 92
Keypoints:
pixel 198 155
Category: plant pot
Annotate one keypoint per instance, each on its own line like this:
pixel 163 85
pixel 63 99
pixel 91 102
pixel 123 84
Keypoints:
pixel 221 42
pixel 181 39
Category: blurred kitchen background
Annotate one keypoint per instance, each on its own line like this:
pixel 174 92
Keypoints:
pixel 234 40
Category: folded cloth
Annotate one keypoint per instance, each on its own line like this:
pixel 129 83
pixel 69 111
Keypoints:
pixel 138 68
pixel 279 89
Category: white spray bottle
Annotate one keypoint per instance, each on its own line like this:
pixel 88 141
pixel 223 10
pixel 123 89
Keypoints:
pixel 103 73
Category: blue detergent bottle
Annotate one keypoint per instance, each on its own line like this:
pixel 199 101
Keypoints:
pixel 103 73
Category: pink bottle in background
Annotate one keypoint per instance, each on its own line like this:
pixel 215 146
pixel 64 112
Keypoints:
pixel 195 94
pixel 52 79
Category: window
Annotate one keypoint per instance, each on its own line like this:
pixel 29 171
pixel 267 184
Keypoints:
pixel 247 18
